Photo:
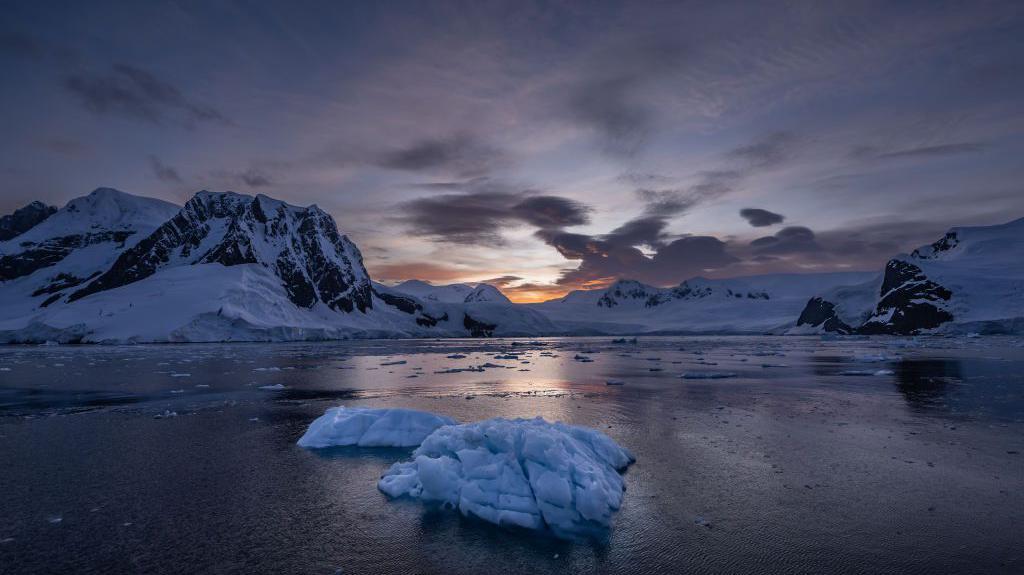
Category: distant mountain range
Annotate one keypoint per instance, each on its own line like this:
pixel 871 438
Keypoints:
pixel 113 267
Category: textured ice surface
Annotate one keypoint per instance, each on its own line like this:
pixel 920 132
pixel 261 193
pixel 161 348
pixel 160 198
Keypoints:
pixel 521 472
pixel 371 427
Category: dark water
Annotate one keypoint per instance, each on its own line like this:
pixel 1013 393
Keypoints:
pixel 792 468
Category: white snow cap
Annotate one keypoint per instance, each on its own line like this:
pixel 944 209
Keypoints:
pixel 371 427
pixel 523 472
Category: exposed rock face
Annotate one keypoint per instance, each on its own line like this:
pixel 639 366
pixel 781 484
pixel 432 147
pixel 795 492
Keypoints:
pixel 823 313
pixel 909 302
pixel 301 245
pixel 478 328
pixel 66 247
pixel 49 252
pixel 971 279
pixel 629 291
pixel 24 219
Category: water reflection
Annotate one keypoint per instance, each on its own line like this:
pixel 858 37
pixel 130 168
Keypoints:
pixel 926 383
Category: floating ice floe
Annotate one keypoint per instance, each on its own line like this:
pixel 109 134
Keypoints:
pixel 708 375
pixel 274 387
pixel 866 372
pixel 520 472
pixel 371 427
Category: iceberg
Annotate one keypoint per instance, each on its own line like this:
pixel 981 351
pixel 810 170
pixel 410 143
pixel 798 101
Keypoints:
pixel 371 427
pixel 527 473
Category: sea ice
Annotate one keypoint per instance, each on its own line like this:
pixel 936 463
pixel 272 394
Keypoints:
pixel 520 472
pixel 371 427
pixel 707 375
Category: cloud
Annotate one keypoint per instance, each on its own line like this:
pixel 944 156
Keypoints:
pixel 605 259
pixel 137 94
pixel 502 282
pixel 480 217
pixel 460 154
pixel 611 96
pixel 940 150
pixel 163 172
pixel 788 240
pixel 551 212
pixel 773 150
pixel 607 107
pixel 255 178
pixel 761 218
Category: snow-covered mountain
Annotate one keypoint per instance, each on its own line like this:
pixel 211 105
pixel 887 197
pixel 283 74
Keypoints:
pixel 972 279
pixel 44 263
pixel 226 266
pixel 754 304
pixel 24 219
pixel 452 293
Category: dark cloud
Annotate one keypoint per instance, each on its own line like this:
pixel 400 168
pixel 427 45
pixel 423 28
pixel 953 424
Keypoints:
pixel 138 94
pixel 643 231
pixel 788 240
pixel 644 179
pixel 503 281
pixel 603 260
pixel 163 172
pixel 607 107
pixel 940 150
pixel 255 178
pixel 461 155
pixel 611 95
pixel 771 151
pixel 479 217
pixel 551 212
pixel 761 218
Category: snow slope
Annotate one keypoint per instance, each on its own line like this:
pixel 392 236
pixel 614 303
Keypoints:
pixel 452 293
pixel 970 280
pixel 754 304
pixel 521 472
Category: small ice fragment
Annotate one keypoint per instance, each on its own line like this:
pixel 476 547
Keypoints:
pixel 274 387
pixel 707 375
pixel 399 362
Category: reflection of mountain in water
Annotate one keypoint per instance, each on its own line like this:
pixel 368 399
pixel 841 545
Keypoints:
pixel 972 387
pixel 926 384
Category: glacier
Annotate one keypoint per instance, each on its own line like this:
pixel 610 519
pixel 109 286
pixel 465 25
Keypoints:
pixel 529 473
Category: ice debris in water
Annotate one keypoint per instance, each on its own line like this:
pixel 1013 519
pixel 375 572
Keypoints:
pixel 707 375
pixel 371 427
pixel 860 372
pixel 520 472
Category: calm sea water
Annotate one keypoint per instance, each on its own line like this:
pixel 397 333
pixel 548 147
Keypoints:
pixel 791 466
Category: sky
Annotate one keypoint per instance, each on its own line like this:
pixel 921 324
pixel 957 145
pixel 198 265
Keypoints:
pixel 539 146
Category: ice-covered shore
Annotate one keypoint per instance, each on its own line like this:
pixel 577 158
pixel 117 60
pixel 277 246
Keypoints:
pixel 371 427
pixel 522 472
